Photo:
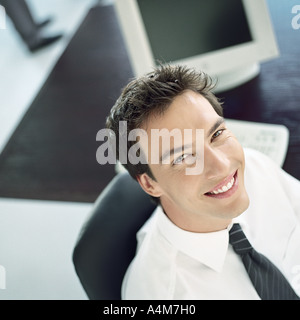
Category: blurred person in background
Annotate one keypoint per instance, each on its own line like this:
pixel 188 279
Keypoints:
pixel 31 31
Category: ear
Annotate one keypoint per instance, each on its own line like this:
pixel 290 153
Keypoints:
pixel 149 185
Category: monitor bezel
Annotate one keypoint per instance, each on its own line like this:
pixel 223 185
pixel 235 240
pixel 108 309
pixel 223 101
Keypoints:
pixel 261 48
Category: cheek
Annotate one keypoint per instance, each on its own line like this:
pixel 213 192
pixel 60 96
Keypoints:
pixel 183 188
pixel 237 153
pixel 175 182
pixel 234 148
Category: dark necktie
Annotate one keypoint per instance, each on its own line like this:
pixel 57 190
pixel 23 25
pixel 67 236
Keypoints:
pixel 269 282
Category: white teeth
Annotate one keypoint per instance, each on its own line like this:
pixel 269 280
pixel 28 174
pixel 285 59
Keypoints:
pixel 224 188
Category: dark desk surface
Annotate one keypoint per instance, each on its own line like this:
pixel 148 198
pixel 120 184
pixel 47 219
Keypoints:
pixel 274 96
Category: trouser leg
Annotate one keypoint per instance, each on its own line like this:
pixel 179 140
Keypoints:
pixel 21 17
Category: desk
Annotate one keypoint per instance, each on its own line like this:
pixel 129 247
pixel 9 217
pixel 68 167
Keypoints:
pixel 274 96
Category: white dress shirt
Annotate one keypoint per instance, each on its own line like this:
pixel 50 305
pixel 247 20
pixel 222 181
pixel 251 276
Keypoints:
pixel 172 263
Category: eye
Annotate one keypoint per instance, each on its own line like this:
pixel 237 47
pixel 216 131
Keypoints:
pixel 217 134
pixel 180 159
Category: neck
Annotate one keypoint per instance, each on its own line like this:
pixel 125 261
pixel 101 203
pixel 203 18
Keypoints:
pixel 202 226
pixel 197 223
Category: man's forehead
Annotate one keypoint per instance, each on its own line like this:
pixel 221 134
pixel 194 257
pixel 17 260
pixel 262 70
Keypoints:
pixel 190 110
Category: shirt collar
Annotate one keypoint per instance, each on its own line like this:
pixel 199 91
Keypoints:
pixel 207 248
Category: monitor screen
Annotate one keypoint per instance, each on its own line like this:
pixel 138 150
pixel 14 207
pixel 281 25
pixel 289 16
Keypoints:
pixel 178 29
pixel 226 39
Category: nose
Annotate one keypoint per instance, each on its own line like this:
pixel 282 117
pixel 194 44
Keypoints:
pixel 216 163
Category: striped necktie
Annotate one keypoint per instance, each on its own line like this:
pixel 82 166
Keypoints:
pixel 268 281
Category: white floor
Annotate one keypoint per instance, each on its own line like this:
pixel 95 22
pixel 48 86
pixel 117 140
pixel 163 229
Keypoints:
pixel 36 237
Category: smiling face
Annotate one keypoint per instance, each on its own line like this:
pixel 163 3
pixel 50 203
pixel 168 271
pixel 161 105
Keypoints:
pixel 207 201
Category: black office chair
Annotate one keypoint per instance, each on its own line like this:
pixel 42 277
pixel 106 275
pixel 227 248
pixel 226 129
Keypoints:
pixel 107 242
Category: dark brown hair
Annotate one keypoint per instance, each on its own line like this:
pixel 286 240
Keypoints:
pixel 152 94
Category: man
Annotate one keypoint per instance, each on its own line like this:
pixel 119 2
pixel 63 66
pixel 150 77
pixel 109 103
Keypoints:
pixel 184 250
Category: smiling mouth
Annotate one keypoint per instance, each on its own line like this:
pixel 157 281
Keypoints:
pixel 226 188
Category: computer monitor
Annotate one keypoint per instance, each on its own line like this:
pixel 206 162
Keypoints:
pixel 226 39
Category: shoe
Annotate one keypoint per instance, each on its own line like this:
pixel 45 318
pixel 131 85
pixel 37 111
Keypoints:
pixel 44 23
pixel 41 42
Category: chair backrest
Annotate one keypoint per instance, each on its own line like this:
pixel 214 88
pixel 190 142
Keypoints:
pixel 107 242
